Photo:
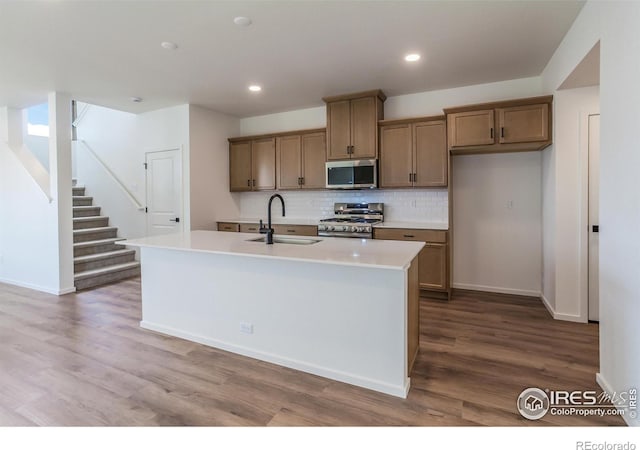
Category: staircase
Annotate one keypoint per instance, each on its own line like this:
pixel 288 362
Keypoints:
pixel 97 257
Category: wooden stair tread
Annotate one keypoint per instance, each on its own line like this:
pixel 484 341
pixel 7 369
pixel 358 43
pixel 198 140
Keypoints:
pixel 97 242
pixel 103 255
pixel 94 230
pixel 106 270
pixel 89 218
pixel 83 207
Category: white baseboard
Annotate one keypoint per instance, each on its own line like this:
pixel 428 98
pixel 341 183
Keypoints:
pixel 606 387
pixel 496 289
pixel 357 380
pixel 569 317
pixel 547 305
pixel 37 287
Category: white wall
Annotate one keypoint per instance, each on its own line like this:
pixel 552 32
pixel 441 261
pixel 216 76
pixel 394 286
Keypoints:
pixel 548 228
pixel 566 207
pixel 35 232
pixel 300 119
pixel 615 24
pixel 497 205
pixel 39 147
pixel 209 149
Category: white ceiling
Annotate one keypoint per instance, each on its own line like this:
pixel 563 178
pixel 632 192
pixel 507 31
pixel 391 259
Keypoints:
pixel 105 52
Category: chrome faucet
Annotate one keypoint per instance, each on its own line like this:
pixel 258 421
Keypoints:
pixel 269 231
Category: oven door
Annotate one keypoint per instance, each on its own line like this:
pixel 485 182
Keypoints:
pixel 352 174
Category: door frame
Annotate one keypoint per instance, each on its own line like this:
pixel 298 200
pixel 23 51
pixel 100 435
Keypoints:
pixel 186 224
pixel 584 213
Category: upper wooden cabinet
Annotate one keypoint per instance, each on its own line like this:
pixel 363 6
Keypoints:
pixel 352 124
pixel 510 126
pixel 300 160
pixel 252 164
pixel 413 153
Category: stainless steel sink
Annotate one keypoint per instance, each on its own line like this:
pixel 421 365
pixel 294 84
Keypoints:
pixel 287 240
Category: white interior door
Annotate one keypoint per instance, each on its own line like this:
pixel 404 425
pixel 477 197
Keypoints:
pixel 164 192
pixel 594 215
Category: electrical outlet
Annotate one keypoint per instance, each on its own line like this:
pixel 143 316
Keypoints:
pixel 509 204
pixel 246 327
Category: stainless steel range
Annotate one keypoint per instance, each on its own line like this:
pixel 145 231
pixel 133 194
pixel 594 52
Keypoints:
pixel 352 220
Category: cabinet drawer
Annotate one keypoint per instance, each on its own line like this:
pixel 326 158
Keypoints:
pixel 410 234
pixel 299 230
pixel 249 228
pixel 228 226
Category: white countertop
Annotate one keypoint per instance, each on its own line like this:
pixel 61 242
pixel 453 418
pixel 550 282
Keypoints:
pixel 306 221
pixel 339 251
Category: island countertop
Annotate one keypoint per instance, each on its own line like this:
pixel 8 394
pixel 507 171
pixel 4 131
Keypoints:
pixel 337 251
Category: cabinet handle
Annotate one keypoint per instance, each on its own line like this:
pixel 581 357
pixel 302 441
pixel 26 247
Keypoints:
pixel 414 177
pixel 491 132
pixel 254 183
pixel 249 183
pixel 301 180
pixel 501 132
pixel 410 177
pixel 291 231
pixel 408 235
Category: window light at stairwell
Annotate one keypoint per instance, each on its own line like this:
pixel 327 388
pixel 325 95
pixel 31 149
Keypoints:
pixel 38 120
pixel 412 57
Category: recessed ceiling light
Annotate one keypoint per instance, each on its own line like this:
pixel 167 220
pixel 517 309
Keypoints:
pixel 412 57
pixel 255 88
pixel 242 21
pixel 169 45
pixel 136 99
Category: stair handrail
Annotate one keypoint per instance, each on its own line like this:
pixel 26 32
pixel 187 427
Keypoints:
pixel 115 178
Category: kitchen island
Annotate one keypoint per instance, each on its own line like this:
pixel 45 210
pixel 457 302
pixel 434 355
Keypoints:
pixel 345 309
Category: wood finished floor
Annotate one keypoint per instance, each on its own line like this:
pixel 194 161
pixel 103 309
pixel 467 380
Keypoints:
pixel 82 360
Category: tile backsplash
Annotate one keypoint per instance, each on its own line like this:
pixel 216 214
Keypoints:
pixel 411 205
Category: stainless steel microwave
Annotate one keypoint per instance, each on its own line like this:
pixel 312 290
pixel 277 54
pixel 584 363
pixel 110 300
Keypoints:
pixel 352 174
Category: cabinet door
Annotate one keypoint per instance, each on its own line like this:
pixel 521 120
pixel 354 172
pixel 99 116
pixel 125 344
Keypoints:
pixel 249 228
pixel 364 128
pixel 471 128
pixel 263 158
pixel 430 154
pixel 338 129
pixel 433 267
pixel 314 147
pixel 396 166
pixel 240 166
pixel 296 230
pixel 523 123
pixel 289 162
pixel 228 226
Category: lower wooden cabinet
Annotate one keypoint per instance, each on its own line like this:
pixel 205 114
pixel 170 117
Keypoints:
pixel 228 226
pixel 295 230
pixel 433 258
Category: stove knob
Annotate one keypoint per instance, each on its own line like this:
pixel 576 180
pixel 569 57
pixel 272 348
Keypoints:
pixel 355 229
pixel 330 228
